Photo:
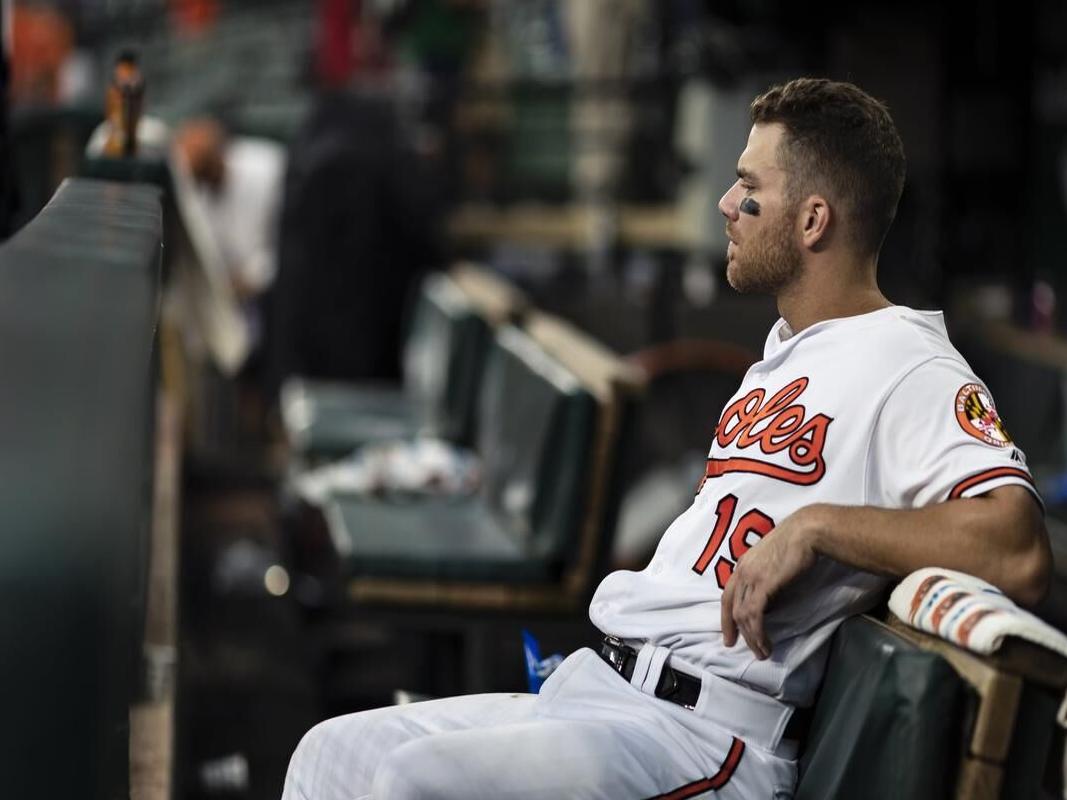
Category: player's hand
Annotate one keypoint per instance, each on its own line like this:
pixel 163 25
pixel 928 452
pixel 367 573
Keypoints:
pixel 773 562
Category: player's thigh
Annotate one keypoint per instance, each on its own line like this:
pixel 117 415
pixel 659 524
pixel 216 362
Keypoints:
pixel 667 750
pixel 541 760
pixel 338 758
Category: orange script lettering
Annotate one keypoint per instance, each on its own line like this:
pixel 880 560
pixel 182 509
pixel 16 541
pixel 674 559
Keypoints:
pixel 775 424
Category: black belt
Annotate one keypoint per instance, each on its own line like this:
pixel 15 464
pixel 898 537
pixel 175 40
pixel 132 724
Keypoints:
pixel 673 685
pixel 677 686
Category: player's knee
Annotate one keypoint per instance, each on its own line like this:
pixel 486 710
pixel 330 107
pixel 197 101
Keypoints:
pixel 302 779
pixel 300 775
pixel 399 779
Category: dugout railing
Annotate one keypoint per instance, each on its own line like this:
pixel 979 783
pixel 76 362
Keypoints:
pixel 79 288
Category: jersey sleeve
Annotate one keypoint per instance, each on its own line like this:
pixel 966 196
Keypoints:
pixel 938 437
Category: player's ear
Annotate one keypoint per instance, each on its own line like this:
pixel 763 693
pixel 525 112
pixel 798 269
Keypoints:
pixel 815 219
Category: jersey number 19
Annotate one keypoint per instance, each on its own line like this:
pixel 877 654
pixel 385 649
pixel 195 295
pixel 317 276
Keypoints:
pixel 752 527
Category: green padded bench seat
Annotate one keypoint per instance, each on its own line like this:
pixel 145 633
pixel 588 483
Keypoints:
pixel 433 539
pixel 886 723
pixel 443 359
pixel 903 714
pixel 536 431
pixel 553 419
pixel 1012 740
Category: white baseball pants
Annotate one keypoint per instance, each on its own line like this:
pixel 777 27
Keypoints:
pixel 588 735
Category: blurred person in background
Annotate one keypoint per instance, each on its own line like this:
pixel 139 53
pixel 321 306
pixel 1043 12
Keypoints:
pixel 238 181
pixel 358 225
pixel 366 188
pixel 231 199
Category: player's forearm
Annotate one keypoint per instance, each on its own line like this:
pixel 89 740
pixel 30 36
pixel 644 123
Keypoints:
pixel 999 537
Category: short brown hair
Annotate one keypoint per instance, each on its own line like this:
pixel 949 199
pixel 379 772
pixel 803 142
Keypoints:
pixel 841 141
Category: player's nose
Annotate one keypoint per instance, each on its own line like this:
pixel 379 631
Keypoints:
pixel 728 202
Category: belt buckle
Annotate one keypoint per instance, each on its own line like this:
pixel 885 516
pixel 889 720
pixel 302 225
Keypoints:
pixel 669 683
pixel 669 686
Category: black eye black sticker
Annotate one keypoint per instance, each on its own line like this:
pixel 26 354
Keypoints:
pixel 749 206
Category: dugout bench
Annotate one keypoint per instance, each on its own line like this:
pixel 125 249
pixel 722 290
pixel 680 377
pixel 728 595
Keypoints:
pixel 552 407
pixel 545 407
pixel 903 714
pixel 79 288
pixel 552 423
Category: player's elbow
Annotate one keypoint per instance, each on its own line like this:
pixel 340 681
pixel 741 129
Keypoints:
pixel 1031 573
pixel 1021 561
pixel 1027 566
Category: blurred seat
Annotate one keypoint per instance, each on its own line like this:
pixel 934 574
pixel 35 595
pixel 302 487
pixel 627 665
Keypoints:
pixel 444 355
pixel 552 411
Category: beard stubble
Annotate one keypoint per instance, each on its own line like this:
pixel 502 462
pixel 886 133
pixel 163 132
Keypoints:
pixel 768 263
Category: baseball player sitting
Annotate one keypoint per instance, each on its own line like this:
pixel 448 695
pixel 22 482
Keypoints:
pixel 860 448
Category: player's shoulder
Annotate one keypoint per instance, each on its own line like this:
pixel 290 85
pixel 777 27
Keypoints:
pixel 913 337
pixel 876 348
pixel 900 345
pixel 928 364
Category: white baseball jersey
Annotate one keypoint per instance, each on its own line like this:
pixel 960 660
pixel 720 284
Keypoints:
pixel 877 409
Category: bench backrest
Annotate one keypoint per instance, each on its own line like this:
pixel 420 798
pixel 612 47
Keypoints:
pixel 446 349
pixel 553 421
pixel 536 426
pixel 617 388
pixel 443 358
pixel 553 416
pixel 887 720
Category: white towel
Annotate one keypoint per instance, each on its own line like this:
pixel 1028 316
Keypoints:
pixel 968 612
